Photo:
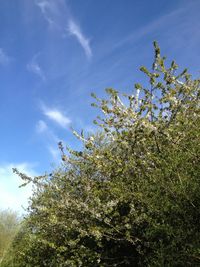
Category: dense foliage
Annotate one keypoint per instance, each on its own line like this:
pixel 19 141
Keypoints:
pixel 131 196
pixel 9 223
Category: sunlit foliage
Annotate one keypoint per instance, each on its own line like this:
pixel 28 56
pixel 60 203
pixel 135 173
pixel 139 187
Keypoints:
pixel 9 223
pixel 131 196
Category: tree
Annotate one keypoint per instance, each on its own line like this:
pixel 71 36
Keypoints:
pixel 9 222
pixel 131 196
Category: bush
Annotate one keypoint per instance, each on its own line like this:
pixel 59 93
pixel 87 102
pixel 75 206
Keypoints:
pixel 131 196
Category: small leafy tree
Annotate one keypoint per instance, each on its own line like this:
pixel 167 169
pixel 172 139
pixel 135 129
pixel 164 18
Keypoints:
pixel 9 222
pixel 131 196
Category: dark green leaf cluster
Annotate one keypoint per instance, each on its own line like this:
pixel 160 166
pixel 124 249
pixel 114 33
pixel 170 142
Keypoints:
pixel 131 196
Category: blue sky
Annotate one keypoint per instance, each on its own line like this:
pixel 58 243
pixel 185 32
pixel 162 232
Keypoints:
pixel 54 53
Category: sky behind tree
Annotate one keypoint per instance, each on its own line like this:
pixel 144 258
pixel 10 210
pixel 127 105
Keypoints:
pixel 54 53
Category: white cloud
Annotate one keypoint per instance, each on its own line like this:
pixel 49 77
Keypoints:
pixel 33 66
pixel 55 153
pixel 75 30
pixel 50 140
pixel 41 126
pixel 11 196
pixel 44 5
pixel 57 14
pixel 56 116
pixel 4 58
pixel 47 8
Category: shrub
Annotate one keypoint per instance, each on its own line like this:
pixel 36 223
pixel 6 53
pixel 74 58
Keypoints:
pixel 131 196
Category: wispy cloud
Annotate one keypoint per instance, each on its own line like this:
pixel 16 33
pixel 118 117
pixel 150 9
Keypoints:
pixel 56 115
pixel 11 196
pixel 55 153
pixel 48 9
pixel 33 66
pixel 57 14
pixel 41 126
pixel 4 58
pixel 50 139
pixel 166 20
pixel 76 31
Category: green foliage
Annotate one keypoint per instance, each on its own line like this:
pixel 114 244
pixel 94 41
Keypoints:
pixel 131 196
pixel 9 222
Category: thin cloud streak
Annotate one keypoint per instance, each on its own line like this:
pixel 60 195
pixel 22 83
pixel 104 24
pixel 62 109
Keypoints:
pixel 55 153
pixel 48 9
pixel 75 30
pixel 50 139
pixel 57 14
pixel 43 129
pixel 34 67
pixel 44 6
pixel 4 58
pixel 41 126
pixel 151 27
pixel 56 115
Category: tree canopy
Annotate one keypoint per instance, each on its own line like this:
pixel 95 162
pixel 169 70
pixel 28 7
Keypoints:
pixel 131 196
